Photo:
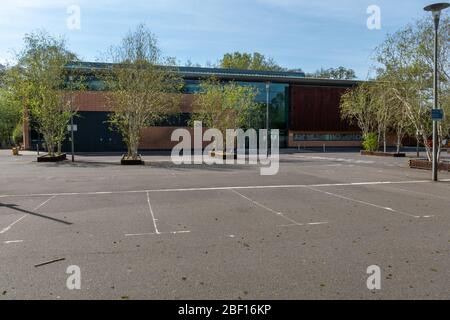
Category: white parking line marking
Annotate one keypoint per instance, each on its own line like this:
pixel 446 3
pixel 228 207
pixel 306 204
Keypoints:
pixel 334 159
pixel 281 214
pixel 316 223
pixel 153 215
pixel 223 188
pixel 303 224
pixel 155 234
pixel 12 241
pixel 12 224
pixel 24 216
pixel 139 234
pixel 363 202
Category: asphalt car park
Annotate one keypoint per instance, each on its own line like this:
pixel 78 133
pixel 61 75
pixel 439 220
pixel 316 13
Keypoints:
pixel 163 231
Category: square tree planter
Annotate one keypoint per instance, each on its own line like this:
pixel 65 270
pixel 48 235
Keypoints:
pixel 424 164
pixel 131 162
pixel 47 158
pixel 382 154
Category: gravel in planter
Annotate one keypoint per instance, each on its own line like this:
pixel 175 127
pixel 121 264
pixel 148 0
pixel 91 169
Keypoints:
pixel 131 162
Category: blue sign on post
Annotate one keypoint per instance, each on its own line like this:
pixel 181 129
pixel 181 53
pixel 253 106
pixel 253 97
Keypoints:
pixel 437 114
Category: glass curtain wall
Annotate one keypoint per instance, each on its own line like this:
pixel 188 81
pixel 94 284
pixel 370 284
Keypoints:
pixel 278 105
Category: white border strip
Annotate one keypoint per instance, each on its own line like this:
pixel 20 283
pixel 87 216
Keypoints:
pixel 221 188
pixel 153 215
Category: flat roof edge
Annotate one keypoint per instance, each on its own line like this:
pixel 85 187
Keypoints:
pixel 231 74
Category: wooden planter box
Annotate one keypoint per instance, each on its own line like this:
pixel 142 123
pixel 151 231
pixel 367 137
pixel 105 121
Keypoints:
pixel 382 154
pixel 47 158
pixel 424 164
pixel 131 162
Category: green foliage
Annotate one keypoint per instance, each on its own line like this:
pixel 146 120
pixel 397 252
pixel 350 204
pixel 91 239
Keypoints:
pixel 225 105
pixel 357 106
pixel 140 91
pixel 249 61
pixel 400 99
pixel 10 117
pixel 370 141
pixel 405 63
pixel 340 73
pixel 38 80
pixel 17 134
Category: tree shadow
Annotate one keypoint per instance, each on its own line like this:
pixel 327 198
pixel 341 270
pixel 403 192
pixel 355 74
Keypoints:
pixel 16 207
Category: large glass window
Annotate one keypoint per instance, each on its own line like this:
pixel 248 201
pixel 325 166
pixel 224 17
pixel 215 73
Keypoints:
pixel 278 102
pixel 278 105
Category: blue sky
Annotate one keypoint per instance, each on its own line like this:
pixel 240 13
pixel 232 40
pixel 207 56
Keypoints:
pixel 296 33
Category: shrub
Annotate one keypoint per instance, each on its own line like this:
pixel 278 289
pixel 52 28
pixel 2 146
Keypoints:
pixel 370 141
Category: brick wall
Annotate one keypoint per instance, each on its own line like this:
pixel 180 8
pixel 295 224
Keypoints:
pixel 97 101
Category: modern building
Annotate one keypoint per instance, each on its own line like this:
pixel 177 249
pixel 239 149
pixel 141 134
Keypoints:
pixel 305 110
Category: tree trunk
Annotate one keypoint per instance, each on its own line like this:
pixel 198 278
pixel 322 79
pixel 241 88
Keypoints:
pixel 379 137
pixel 427 147
pixel 399 137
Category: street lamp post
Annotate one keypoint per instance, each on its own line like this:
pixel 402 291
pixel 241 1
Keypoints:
pixel 72 139
pixel 436 9
pixel 267 113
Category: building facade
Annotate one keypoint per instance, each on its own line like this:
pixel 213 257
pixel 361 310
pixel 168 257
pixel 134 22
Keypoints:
pixel 306 111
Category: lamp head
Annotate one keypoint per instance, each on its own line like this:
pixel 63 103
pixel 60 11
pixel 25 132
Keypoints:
pixel 436 8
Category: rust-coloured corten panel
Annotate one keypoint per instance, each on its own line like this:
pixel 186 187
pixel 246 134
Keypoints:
pixel 317 109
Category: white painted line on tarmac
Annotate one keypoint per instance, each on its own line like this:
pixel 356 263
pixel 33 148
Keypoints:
pixel 155 234
pixel 303 224
pixel 316 223
pixel 281 214
pixel 222 188
pixel 12 224
pixel 24 216
pixel 153 215
pixel 139 234
pixel 364 202
pixel 12 241
pixel 334 159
